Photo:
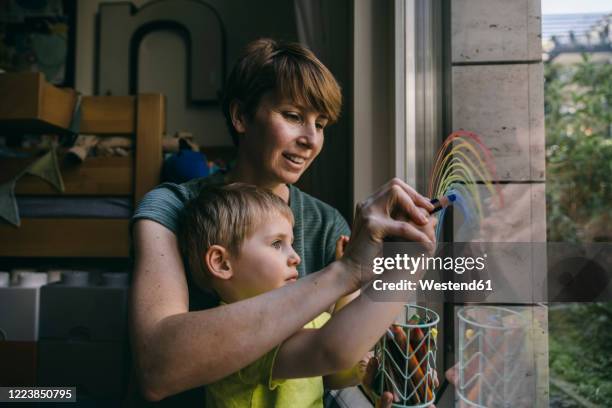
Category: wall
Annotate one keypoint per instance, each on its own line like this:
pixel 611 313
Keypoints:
pixel 164 54
pixel 243 20
pixel 373 118
pixel 330 177
pixel 498 92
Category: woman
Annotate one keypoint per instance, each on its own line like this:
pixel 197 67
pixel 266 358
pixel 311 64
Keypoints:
pixel 278 101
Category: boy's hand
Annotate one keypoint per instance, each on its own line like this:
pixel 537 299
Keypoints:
pixel 386 400
pixel 362 366
pixel 345 300
pixel 341 246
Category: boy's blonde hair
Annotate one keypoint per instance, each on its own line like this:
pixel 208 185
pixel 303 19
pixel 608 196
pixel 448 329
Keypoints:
pixel 290 70
pixel 225 216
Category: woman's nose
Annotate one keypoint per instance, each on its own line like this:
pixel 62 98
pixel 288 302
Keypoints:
pixel 310 135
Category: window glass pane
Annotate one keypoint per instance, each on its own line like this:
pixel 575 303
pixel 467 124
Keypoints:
pixel 578 94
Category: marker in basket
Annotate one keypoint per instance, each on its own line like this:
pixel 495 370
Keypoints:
pixel 442 202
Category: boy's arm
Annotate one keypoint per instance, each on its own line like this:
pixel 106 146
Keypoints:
pixel 348 378
pixel 343 301
pixel 354 375
pixel 340 344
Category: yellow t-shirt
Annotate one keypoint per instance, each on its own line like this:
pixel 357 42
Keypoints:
pixel 253 386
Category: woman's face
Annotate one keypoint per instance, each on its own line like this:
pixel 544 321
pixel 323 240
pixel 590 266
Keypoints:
pixel 282 139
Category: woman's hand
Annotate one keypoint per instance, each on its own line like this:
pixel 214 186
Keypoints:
pixel 385 214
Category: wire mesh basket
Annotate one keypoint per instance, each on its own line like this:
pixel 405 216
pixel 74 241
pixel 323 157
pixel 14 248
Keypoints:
pixel 491 341
pixel 406 356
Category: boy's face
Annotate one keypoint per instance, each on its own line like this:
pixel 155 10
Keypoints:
pixel 266 259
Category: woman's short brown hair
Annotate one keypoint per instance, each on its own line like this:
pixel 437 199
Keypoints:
pixel 225 216
pixel 290 70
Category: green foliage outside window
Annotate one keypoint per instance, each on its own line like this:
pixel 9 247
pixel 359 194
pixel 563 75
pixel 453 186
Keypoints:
pixel 579 151
pixel 578 198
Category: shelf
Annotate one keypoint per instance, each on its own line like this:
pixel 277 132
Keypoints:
pixel 66 237
pixel 29 104
pixel 96 176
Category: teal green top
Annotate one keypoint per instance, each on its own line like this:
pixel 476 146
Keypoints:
pixel 254 387
pixel 317 225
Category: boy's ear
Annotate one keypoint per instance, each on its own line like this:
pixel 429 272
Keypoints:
pixel 218 263
pixel 238 116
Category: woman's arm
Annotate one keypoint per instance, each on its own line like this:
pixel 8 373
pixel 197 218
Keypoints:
pixel 175 350
pixel 343 341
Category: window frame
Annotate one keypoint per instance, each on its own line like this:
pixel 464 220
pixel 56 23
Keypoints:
pixel 423 115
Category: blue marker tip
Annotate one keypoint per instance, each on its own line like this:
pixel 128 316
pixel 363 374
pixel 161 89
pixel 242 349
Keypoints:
pixel 442 202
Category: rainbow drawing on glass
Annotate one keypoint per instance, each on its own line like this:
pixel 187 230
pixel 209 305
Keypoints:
pixel 462 162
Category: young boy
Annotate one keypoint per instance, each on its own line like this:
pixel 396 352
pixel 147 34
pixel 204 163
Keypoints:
pixel 237 243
